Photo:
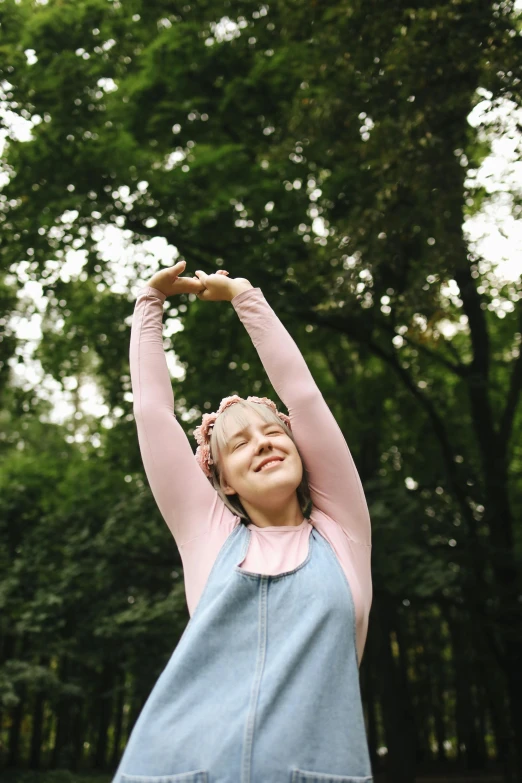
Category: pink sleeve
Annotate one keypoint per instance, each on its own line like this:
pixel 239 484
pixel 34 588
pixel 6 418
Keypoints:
pixel 335 486
pixel 185 497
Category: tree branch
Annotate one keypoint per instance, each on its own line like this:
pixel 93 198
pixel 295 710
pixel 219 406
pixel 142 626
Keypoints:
pixel 492 451
pixel 458 369
pixel 515 388
pixel 476 320
pixel 362 333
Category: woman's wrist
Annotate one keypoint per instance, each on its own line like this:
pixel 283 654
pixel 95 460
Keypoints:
pixel 237 288
pixel 155 287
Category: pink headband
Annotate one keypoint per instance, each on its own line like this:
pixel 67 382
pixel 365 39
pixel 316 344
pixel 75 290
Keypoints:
pixel 203 432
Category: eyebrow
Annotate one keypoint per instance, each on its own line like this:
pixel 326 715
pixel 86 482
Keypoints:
pixel 241 432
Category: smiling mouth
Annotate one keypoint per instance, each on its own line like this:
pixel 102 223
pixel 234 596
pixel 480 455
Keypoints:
pixel 269 465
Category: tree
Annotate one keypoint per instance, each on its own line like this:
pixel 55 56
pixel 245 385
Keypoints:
pixel 323 152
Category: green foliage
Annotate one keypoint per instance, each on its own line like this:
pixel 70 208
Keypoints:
pixel 231 149
pixel 52 776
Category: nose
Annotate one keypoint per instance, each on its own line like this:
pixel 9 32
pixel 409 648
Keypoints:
pixel 264 442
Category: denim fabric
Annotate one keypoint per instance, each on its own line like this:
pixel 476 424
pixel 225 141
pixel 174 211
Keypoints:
pixel 263 686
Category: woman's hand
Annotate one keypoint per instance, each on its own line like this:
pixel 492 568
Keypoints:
pixel 219 288
pixel 169 283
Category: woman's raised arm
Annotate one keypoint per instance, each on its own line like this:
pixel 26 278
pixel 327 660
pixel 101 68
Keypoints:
pixel 335 486
pixel 183 494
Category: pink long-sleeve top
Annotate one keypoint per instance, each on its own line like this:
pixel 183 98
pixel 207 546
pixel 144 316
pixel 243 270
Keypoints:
pixel 195 514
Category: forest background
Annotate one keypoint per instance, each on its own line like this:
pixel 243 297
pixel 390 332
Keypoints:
pixel 340 156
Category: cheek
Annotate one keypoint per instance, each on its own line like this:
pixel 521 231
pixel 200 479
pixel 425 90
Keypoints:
pixel 293 450
pixel 238 461
pixel 297 457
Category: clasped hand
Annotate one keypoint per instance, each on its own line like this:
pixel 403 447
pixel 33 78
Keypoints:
pixel 209 288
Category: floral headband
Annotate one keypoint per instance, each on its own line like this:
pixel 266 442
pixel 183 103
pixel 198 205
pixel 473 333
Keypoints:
pixel 203 432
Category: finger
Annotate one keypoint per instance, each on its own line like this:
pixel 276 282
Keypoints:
pixel 194 283
pixel 178 269
pixel 193 279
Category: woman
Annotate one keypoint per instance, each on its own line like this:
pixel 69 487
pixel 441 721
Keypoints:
pixel 263 686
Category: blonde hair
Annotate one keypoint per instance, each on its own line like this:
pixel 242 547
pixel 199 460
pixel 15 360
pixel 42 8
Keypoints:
pixel 219 441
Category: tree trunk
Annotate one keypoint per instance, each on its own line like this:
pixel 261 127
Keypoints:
pixel 466 706
pixel 494 692
pixel 422 700
pixel 7 646
pixel 492 432
pixel 78 735
pixel 63 751
pixel 13 754
pixel 437 700
pixel 399 723
pixel 118 720
pixel 103 701
pixel 482 724
pixel 37 731
pixel 38 722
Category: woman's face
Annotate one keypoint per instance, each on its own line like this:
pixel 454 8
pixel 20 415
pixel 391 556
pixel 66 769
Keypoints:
pixel 242 471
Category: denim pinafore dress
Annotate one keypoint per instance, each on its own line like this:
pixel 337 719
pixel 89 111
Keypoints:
pixel 263 686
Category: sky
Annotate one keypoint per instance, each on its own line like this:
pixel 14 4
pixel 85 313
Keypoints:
pixel 495 234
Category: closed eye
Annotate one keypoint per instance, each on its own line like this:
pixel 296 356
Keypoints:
pixel 242 443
